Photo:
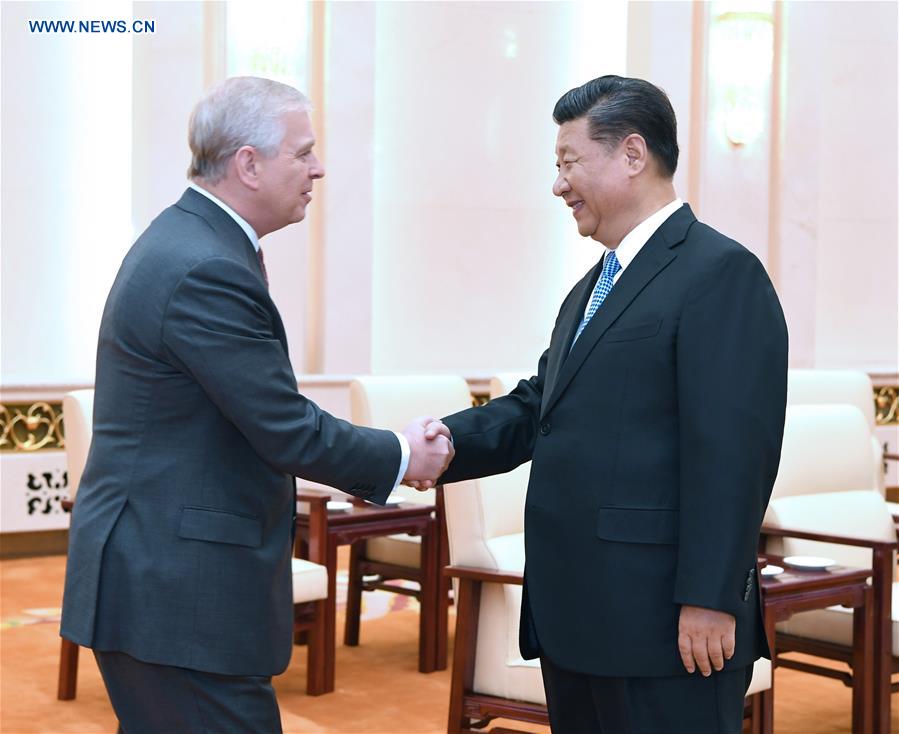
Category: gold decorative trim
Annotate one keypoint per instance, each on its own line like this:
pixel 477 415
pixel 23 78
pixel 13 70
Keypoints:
pixel 28 427
pixel 886 402
pixel 886 405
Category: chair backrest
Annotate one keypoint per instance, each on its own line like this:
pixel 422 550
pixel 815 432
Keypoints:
pixel 392 401
pixel 826 448
pixel 851 387
pixel 78 415
pixel 481 515
pixel 815 387
pixel 826 484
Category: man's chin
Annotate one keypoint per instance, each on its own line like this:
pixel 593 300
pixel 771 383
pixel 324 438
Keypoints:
pixel 586 229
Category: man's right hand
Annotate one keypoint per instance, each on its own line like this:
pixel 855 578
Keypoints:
pixel 431 454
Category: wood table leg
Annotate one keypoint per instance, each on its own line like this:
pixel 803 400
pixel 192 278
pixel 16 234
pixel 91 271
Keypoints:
pixel 317 655
pixel 863 666
pixel 330 626
pixel 427 627
pixel 767 696
pixel 881 604
pixel 68 670
pixel 353 597
pixel 444 584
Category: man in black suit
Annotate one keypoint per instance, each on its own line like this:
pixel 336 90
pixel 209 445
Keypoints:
pixel 179 573
pixel 654 423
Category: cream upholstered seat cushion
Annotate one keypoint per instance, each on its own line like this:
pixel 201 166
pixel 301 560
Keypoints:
pixel 834 624
pixel 310 580
pixel 400 550
pixel 761 677
pixel 78 415
pixel 862 514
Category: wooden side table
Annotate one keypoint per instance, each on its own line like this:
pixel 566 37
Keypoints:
pixel 366 520
pixel 800 591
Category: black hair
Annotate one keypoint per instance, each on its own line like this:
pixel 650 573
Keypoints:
pixel 616 107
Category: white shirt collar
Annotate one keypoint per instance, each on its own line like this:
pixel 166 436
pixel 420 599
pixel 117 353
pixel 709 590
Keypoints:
pixel 244 225
pixel 635 239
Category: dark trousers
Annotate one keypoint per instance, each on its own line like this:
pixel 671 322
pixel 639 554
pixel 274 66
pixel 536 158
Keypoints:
pixel 686 704
pixel 160 699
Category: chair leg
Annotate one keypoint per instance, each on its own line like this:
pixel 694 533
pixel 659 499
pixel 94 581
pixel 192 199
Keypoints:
pixel 354 597
pixel 755 714
pixel 468 606
pixel 68 670
pixel 766 711
pixel 316 650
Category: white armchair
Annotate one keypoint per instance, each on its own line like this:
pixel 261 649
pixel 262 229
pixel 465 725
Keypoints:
pixel 391 402
pixel 826 502
pixel 485 525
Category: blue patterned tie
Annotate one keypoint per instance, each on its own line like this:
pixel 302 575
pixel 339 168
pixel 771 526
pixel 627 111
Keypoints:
pixel 606 280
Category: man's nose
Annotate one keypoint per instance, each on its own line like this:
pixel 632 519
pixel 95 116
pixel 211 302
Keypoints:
pixel 560 185
pixel 316 170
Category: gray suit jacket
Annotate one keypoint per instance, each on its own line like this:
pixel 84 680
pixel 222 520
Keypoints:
pixel 180 541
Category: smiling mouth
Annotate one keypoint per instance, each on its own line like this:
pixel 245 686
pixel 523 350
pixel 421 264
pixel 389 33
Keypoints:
pixel 576 206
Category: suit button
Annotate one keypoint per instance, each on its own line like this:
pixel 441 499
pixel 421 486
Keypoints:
pixel 545 429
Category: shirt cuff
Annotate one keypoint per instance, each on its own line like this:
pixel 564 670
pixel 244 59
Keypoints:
pixel 404 460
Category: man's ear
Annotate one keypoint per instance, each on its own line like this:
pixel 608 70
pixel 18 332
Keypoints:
pixel 636 152
pixel 246 165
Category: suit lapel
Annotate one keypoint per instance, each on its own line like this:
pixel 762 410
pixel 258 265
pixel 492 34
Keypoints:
pixel 568 323
pixel 653 257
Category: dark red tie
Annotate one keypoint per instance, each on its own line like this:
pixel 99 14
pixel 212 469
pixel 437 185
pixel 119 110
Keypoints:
pixel 262 265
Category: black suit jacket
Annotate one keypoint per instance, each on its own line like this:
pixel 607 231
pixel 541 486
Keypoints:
pixel 655 444
pixel 180 541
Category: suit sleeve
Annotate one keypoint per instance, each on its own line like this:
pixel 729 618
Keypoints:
pixel 731 377
pixel 499 436
pixel 218 329
pixel 496 437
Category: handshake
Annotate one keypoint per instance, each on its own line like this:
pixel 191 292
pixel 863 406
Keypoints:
pixel 432 451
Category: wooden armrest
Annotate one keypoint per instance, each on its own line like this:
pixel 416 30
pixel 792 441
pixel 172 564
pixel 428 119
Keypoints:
pixel 484 574
pixel 825 538
pixel 313 498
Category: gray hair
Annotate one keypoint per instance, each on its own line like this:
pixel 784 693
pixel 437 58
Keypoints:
pixel 242 110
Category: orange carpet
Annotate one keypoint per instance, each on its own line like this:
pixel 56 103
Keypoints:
pixel 379 690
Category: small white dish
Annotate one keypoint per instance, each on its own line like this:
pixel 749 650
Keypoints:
pixel 772 570
pixel 810 562
pixel 394 499
pixel 339 506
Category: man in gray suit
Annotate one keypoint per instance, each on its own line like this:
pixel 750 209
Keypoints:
pixel 180 543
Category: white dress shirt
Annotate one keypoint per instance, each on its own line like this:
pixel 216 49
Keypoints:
pixel 405 449
pixel 635 239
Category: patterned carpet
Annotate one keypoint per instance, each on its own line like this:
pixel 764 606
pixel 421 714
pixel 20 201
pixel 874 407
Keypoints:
pixel 379 689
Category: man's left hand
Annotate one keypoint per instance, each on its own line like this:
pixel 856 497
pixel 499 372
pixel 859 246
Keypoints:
pixel 706 638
